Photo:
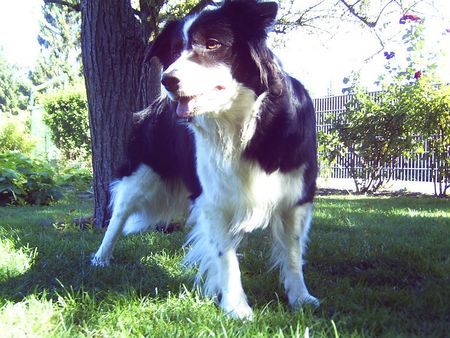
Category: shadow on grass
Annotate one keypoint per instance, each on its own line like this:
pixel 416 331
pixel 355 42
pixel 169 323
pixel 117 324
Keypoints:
pixel 145 263
pixel 373 261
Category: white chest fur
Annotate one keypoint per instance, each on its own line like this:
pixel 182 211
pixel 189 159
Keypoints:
pixel 246 195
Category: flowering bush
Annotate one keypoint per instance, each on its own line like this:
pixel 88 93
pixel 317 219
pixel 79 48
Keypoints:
pixel 379 129
pixel 389 55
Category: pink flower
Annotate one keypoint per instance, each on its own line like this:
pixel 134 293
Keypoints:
pixel 418 75
pixel 409 17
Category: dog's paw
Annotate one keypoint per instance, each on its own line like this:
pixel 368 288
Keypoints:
pixel 241 311
pixel 100 261
pixel 305 299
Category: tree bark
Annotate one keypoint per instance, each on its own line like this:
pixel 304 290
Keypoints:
pixel 112 53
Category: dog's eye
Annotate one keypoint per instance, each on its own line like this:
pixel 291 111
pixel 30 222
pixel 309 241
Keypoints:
pixel 212 44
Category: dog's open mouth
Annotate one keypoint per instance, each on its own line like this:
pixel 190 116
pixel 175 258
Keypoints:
pixel 186 106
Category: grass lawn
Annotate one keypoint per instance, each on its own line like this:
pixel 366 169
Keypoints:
pixel 380 265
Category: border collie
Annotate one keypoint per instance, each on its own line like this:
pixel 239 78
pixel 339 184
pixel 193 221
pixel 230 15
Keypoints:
pixel 232 145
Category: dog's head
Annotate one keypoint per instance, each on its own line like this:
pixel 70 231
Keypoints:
pixel 210 57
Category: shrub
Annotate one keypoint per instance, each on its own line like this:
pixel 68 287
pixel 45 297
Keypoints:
pixel 429 107
pixel 26 180
pixel 66 115
pixel 14 136
pixel 376 130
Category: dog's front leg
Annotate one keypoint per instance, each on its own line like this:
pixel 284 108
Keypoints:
pixel 213 249
pixel 232 298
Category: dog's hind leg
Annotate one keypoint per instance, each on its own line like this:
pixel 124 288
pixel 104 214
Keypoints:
pixel 290 232
pixel 123 205
pixel 104 253
pixel 139 202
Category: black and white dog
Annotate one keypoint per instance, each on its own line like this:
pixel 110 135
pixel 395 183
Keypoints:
pixel 233 146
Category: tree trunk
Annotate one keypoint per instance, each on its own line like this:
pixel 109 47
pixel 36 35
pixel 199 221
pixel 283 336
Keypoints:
pixel 112 53
pixel 118 84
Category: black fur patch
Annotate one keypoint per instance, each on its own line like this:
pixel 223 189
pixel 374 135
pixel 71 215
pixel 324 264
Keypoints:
pixel 164 144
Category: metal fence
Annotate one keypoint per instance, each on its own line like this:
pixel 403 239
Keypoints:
pixel 416 167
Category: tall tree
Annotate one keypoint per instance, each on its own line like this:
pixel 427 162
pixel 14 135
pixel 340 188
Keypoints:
pixel 60 53
pixel 14 92
pixel 328 15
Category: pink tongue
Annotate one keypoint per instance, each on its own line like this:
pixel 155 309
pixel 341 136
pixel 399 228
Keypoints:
pixel 184 107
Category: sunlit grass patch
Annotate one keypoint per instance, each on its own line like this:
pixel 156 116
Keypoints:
pixel 32 317
pixel 14 260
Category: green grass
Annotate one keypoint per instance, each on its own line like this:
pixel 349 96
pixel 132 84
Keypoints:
pixel 380 266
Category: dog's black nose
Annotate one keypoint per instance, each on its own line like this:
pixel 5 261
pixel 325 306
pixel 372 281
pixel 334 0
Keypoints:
pixel 170 82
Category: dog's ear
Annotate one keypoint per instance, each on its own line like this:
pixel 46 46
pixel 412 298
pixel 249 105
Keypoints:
pixel 259 14
pixel 266 12
pixel 161 47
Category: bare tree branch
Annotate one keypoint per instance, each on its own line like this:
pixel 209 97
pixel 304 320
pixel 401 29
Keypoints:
pixel 364 19
pixel 293 18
